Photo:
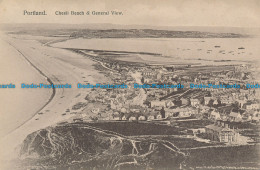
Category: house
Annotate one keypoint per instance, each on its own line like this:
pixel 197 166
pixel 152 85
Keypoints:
pixel 215 102
pixel 124 118
pixel 159 117
pixel 95 110
pixel 148 74
pixel 116 116
pixel 251 106
pixel 234 116
pixel 159 75
pixel 199 130
pixel 206 100
pixel 244 92
pixel 227 101
pixel 184 101
pixel 217 132
pixel 113 104
pixel 156 103
pixel 256 117
pixel 142 118
pixel 169 104
pixel 123 110
pixel 215 115
pixel 241 103
pixel 151 117
pixel 168 112
pixel 132 118
pixel 78 120
pixel 194 102
pixel 184 113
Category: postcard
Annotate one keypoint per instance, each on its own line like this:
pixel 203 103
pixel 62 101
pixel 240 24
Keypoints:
pixel 119 84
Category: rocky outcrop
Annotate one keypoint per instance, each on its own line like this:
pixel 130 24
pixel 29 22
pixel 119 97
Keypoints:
pixel 79 146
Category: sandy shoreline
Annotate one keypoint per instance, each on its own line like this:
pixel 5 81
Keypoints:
pixel 15 107
pixel 61 66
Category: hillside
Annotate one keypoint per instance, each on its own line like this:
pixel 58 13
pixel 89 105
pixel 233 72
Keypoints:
pixel 78 145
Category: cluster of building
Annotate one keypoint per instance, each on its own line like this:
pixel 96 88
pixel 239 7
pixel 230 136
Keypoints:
pixel 214 104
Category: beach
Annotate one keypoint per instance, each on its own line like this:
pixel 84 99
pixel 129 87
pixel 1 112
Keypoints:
pixel 15 103
pixel 37 64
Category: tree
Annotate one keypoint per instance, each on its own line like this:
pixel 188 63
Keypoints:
pixel 142 79
pixel 162 112
pixel 211 103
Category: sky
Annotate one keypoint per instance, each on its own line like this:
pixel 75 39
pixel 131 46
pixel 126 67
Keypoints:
pixel 222 13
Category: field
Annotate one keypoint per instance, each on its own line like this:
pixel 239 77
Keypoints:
pixel 200 154
pixel 133 128
pixel 235 156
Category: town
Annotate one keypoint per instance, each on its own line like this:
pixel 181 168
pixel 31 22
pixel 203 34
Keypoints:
pixel 232 114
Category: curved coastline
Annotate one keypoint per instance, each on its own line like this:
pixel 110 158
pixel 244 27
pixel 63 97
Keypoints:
pixel 42 74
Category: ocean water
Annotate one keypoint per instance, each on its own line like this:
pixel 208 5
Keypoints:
pixel 242 49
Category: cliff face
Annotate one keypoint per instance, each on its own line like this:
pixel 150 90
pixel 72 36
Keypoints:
pixel 77 146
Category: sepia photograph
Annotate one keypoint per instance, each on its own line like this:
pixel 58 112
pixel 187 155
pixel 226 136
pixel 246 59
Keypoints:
pixel 129 85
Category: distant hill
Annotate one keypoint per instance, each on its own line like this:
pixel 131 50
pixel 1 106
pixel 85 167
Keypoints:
pixel 128 31
pixel 30 26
